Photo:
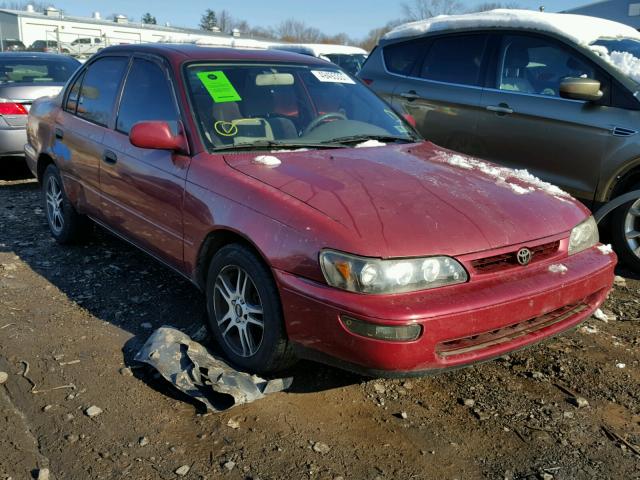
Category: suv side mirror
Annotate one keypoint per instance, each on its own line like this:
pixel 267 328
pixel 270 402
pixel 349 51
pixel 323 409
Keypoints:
pixel 581 89
pixel 159 135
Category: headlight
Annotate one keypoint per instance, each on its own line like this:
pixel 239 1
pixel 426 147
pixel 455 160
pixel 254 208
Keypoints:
pixel 584 236
pixel 372 275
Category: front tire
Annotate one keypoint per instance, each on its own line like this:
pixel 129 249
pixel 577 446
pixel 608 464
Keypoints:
pixel 626 234
pixel 244 311
pixel 65 224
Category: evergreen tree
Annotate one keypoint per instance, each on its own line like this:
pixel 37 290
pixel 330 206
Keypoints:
pixel 149 19
pixel 208 20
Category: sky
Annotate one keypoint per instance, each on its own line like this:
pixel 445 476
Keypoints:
pixel 354 17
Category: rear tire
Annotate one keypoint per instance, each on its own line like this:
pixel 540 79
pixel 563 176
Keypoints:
pixel 244 311
pixel 65 224
pixel 625 233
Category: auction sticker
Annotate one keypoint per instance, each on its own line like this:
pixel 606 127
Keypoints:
pixel 219 87
pixel 332 76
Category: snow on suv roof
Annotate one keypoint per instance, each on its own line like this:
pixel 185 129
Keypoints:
pixel 579 28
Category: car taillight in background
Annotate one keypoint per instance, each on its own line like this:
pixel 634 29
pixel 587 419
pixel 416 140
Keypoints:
pixel 367 81
pixel 12 108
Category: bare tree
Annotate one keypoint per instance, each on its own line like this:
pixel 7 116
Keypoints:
pixel 292 30
pixel 485 6
pixel 37 6
pixel 374 36
pixel 421 9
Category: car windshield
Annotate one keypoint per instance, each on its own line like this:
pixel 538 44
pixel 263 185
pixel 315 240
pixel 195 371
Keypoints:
pixel 352 63
pixel 30 71
pixel 258 105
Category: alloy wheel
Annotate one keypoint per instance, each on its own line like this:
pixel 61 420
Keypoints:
pixel 632 228
pixel 238 311
pixel 54 205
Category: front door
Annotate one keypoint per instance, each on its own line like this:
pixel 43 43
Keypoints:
pixel 143 189
pixel 525 123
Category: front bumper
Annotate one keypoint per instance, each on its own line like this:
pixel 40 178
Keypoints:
pixel 461 324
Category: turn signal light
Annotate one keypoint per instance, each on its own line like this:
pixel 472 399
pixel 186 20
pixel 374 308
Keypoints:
pixel 11 108
pixel 400 333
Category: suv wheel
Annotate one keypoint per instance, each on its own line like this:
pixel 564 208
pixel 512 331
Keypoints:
pixel 66 225
pixel 626 233
pixel 244 311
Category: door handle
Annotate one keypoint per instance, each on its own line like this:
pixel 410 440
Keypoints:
pixel 59 134
pixel 110 157
pixel 411 96
pixel 502 109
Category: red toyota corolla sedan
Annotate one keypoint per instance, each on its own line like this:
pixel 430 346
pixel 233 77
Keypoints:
pixel 313 217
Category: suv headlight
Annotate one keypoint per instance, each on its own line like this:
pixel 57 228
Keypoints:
pixel 584 236
pixel 373 275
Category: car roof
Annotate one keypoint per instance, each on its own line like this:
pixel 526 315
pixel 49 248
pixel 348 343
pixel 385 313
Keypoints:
pixel 580 29
pixel 187 52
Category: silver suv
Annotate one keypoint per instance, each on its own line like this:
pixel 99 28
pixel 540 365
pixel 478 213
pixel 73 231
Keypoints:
pixel 551 93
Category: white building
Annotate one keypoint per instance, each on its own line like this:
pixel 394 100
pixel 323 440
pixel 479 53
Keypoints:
pixel 623 11
pixel 29 26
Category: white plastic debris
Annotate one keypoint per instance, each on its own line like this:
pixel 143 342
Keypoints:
pixel 559 268
pixel 267 160
pixel 621 365
pixel 370 144
pixel 182 471
pixel 588 329
pixel 600 315
pixel 605 249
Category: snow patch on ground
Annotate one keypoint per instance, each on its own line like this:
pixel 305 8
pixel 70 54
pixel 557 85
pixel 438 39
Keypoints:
pixel 268 160
pixel 579 28
pixel 605 249
pixel 623 61
pixel 370 144
pixel 502 174
pixel 559 268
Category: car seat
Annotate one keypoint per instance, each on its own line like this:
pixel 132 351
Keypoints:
pixel 514 70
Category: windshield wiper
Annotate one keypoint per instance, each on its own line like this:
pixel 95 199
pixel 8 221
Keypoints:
pixel 364 138
pixel 269 144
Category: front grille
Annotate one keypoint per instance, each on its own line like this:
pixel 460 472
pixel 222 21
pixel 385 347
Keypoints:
pixel 507 334
pixel 508 260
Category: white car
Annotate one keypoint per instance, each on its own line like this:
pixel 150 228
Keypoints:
pixel 85 46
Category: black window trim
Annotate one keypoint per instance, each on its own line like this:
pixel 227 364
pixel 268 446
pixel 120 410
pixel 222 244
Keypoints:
pixel 127 57
pixel 161 63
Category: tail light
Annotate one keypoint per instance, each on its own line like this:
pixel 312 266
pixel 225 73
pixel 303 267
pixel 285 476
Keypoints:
pixel 367 81
pixel 411 119
pixel 12 108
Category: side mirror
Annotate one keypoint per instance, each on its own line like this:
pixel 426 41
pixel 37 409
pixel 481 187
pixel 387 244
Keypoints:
pixel 581 89
pixel 159 136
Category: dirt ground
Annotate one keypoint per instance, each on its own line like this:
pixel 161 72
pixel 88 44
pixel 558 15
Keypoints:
pixel 72 317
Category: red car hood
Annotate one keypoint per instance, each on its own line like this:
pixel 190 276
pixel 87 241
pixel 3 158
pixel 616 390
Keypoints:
pixel 412 200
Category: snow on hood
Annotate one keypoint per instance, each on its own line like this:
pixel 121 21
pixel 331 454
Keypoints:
pixel 626 62
pixel 579 28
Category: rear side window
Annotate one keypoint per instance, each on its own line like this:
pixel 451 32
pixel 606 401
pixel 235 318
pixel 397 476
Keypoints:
pixel 455 59
pixel 147 96
pixel 100 88
pixel 401 57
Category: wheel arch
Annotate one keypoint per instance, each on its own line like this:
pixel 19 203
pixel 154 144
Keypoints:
pixel 44 160
pixel 212 243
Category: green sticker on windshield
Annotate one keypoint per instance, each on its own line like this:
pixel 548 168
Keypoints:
pixel 219 87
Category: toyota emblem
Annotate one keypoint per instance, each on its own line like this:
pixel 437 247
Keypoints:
pixel 524 256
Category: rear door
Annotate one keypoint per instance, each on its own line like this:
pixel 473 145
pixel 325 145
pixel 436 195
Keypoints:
pixel 80 128
pixel 526 124
pixel 142 189
pixel 443 91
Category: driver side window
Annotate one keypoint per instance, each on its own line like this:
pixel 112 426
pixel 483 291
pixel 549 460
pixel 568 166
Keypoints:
pixel 529 64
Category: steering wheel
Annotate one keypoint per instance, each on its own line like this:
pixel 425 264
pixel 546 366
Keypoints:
pixel 321 119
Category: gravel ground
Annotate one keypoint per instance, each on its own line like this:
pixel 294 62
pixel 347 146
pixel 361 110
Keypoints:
pixel 72 318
